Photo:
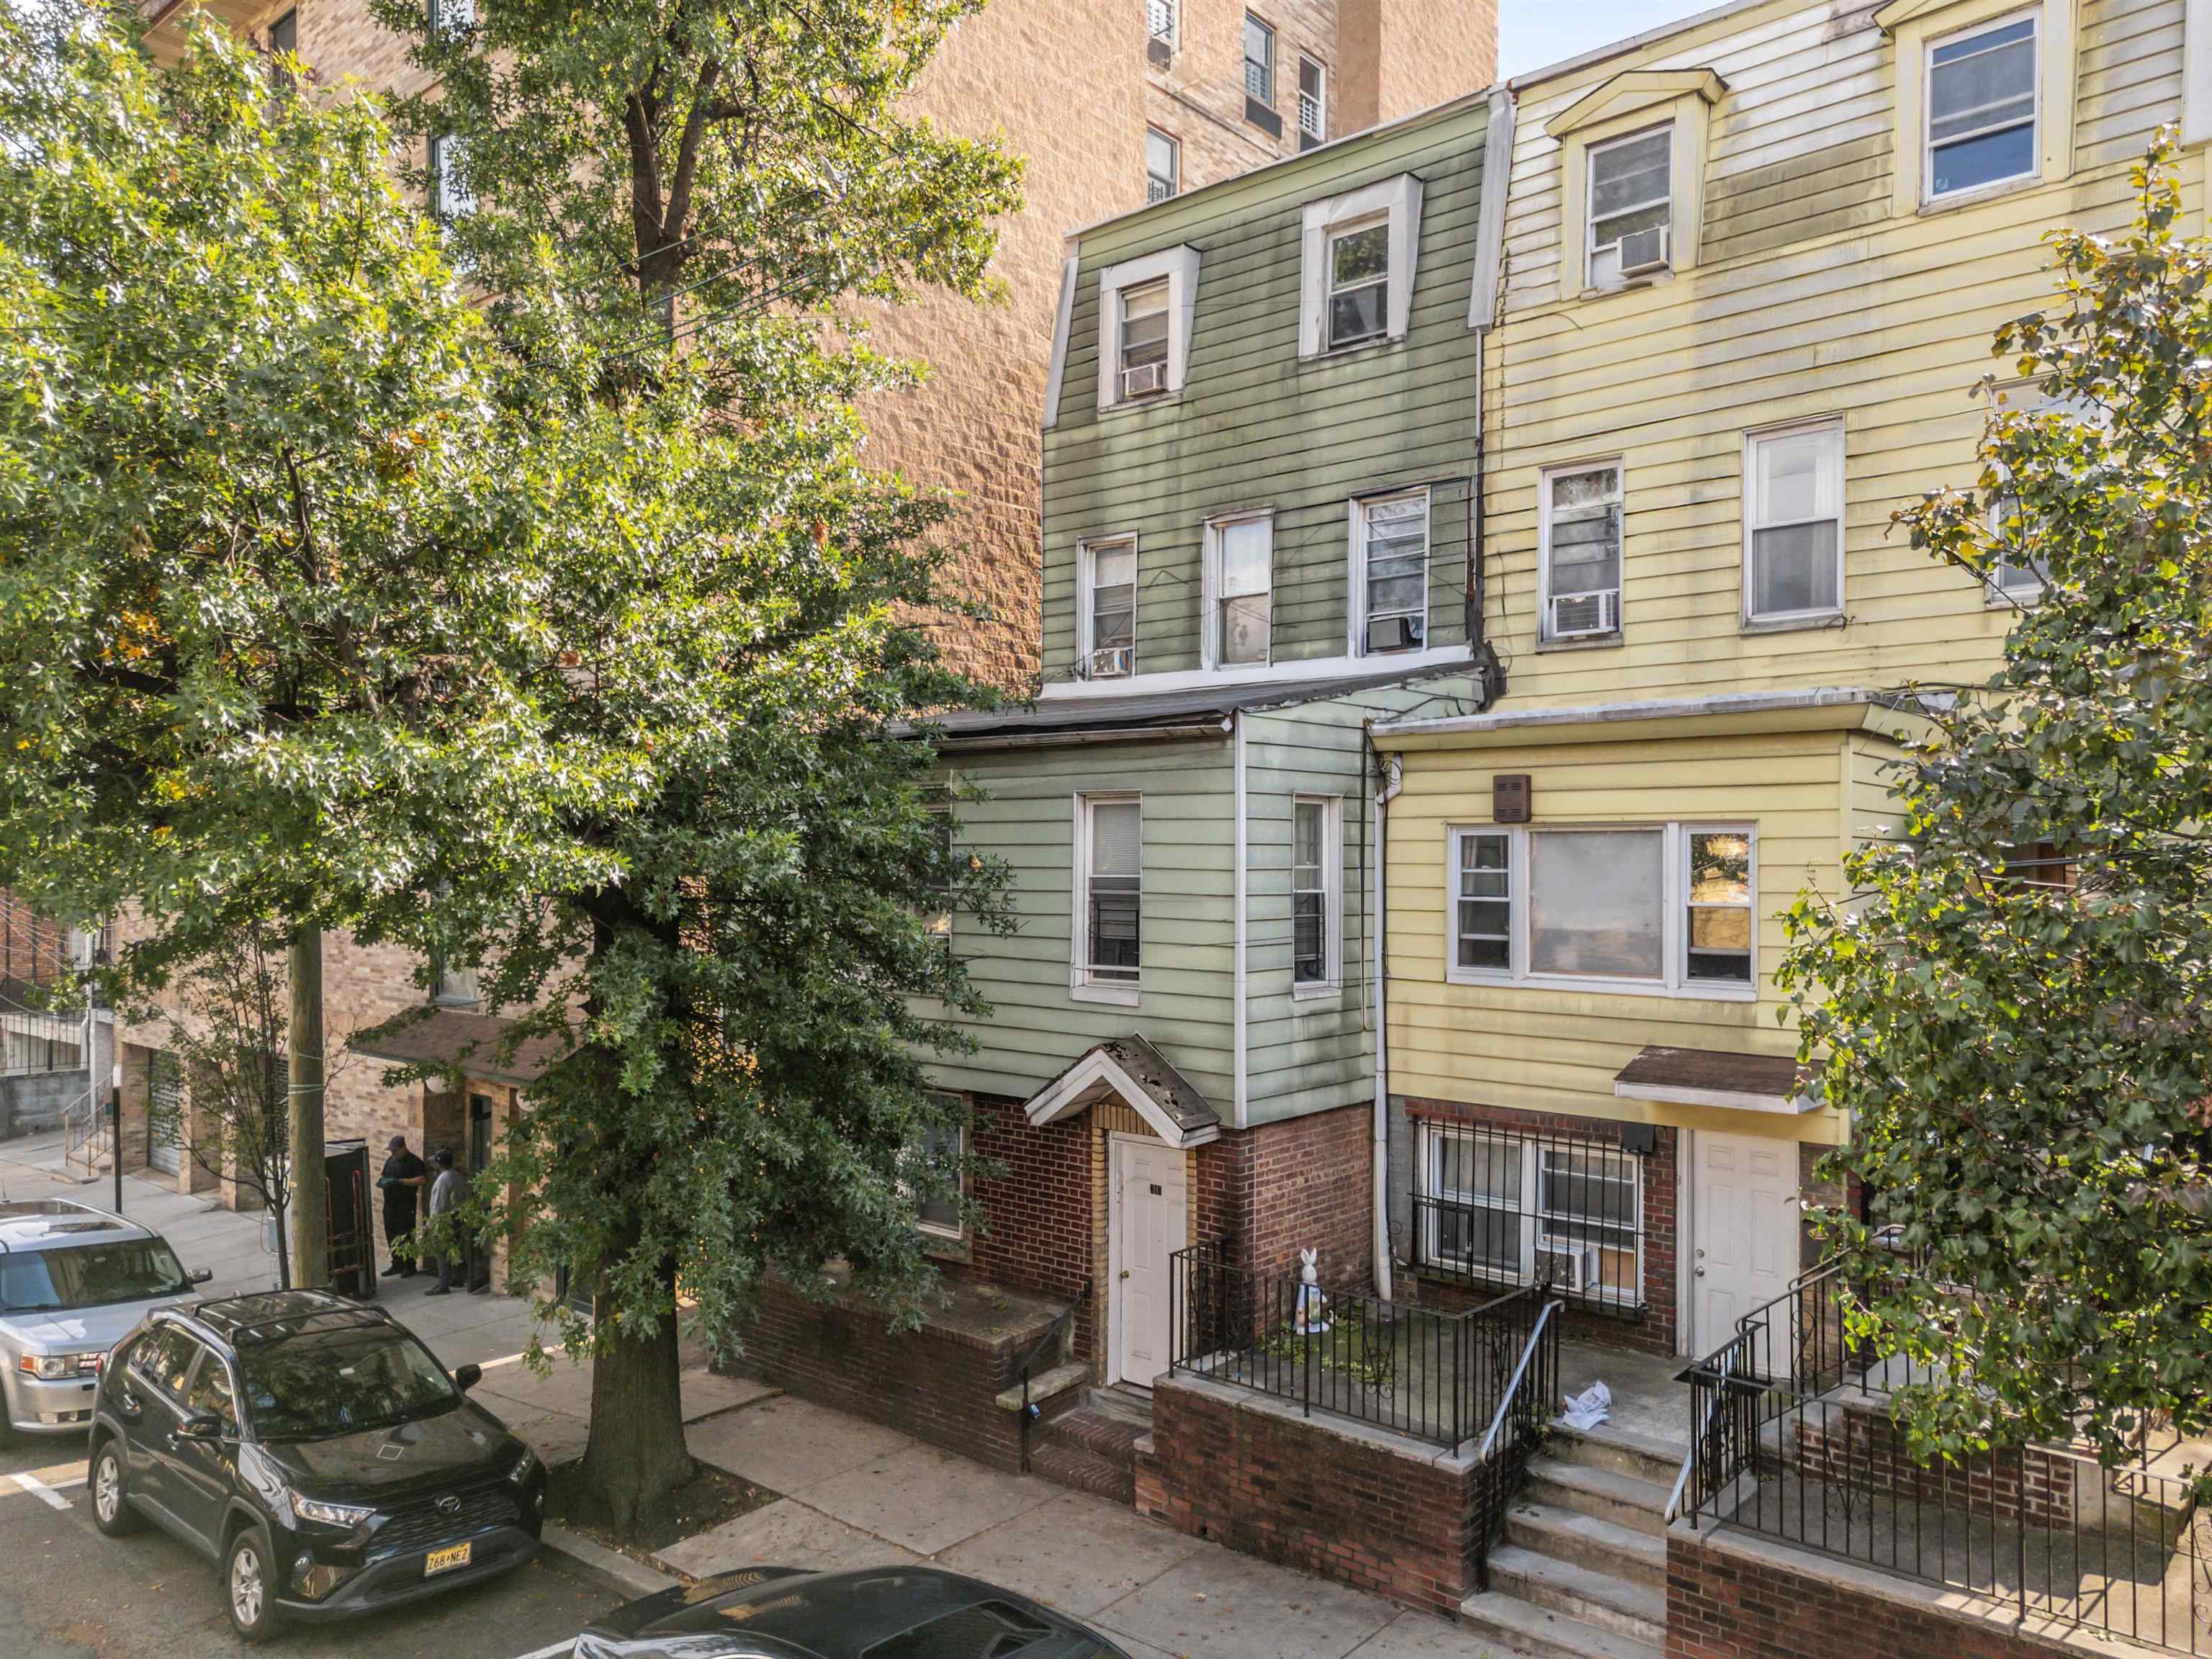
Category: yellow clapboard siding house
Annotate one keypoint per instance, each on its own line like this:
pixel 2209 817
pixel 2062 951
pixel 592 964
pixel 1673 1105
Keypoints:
pixel 1740 293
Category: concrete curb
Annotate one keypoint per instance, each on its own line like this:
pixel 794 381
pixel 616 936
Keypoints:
pixel 624 1575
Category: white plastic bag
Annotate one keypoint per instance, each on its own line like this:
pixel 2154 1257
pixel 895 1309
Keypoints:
pixel 1586 1410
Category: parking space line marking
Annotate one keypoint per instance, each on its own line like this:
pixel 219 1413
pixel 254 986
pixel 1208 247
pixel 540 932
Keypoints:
pixel 37 1488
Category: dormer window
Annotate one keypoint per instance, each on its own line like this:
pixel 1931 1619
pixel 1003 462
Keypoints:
pixel 1144 340
pixel 1631 205
pixel 1981 108
pixel 1358 282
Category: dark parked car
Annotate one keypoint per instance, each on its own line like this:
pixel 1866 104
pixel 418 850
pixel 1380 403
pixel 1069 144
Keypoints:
pixel 314 1450
pixel 880 1613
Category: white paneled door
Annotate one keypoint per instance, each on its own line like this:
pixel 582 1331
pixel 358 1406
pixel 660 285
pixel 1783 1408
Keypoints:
pixel 1150 1222
pixel 1744 1222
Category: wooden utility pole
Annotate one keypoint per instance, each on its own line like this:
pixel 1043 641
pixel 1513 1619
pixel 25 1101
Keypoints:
pixel 311 1263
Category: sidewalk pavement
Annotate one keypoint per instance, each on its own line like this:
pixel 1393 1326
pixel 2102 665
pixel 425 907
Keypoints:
pixel 854 1493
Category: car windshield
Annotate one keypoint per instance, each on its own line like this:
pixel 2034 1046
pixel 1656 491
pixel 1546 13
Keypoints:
pixel 320 1384
pixel 88 1276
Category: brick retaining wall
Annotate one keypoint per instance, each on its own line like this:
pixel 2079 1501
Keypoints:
pixel 1333 1497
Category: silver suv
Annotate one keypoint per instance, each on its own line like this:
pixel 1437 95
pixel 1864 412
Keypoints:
pixel 73 1282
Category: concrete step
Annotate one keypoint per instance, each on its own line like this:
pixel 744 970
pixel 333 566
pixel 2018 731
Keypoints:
pixel 1105 1434
pixel 1525 1628
pixel 1585 1593
pixel 1623 1499
pixel 1624 1451
pixel 1084 1471
pixel 1564 1536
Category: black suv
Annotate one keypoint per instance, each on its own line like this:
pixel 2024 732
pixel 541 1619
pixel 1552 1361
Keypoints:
pixel 315 1449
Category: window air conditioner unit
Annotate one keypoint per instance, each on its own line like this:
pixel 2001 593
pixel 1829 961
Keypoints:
pixel 1566 1266
pixel 1396 632
pixel 1110 662
pixel 1574 616
pixel 1643 252
pixel 1144 379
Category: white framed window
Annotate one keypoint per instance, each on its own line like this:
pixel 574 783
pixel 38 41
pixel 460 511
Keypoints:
pixel 1358 282
pixel 1390 582
pixel 451 196
pixel 1259 61
pixel 1520 1208
pixel 1579 532
pixel 459 988
pixel 941 1149
pixel 1109 895
pixel 452 17
pixel 1312 102
pixel 1983 98
pixel 1163 20
pixel 1145 308
pixel 939 916
pixel 1316 894
pixel 1631 206
pixel 1239 589
pixel 1358 256
pixel 1659 908
pixel 1143 348
pixel 1793 548
pixel 1107 619
pixel 2017 576
pixel 1163 165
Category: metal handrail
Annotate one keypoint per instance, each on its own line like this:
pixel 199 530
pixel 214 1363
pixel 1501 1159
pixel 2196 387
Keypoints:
pixel 1512 1389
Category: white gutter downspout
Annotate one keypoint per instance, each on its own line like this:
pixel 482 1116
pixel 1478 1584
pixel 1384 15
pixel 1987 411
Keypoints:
pixel 1396 771
pixel 1237 1012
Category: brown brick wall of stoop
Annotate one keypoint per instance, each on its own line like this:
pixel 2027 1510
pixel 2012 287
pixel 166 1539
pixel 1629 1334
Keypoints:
pixel 1306 1183
pixel 1037 1232
pixel 1389 1520
pixel 1857 1443
pixel 1650 1328
pixel 1724 1603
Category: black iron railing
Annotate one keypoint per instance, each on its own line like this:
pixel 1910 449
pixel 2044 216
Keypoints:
pixel 1436 1377
pixel 1499 1207
pixel 1516 1429
pixel 1792 1437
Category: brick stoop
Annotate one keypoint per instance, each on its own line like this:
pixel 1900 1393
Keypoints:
pixel 1093 1447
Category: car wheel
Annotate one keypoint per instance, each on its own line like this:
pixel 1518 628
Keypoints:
pixel 111 1501
pixel 249 1587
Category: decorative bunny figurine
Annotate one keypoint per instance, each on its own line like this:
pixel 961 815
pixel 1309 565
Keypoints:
pixel 1312 1317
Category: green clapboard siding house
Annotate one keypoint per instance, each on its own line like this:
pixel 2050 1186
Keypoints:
pixel 1260 448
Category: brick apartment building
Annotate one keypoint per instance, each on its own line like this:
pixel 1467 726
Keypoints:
pixel 1109 102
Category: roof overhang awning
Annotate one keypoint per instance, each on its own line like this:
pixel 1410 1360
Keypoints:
pixel 455 1040
pixel 1707 1077
pixel 1131 1069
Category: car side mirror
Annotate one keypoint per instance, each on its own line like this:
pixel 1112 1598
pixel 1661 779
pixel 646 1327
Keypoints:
pixel 467 1377
pixel 201 1425
pixel 200 1275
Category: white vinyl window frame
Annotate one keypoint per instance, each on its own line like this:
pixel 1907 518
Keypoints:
pixel 1685 851
pixel 1179 265
pixel 1527 1203
pixel 1356 615
pixel 2008 586
pixel 1928 195
pixel 1592 247
pixel 1917 27
pixel 1329 876
pixel 1163 22
pixel 1087 602
pixel 963 1135
pixel 1214 599
pixel 1084 984
pixel 1672 899
pixel 1396 202
pixel 450 196
pixel 1313 107
pixel 1546 511
pixel 1833 463
pixel 1259 72
pixel 1161 185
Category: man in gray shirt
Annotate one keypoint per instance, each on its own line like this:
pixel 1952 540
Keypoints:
pixel 446 1190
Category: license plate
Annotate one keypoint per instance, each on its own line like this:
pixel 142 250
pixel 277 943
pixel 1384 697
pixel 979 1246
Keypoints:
pixel 445 1560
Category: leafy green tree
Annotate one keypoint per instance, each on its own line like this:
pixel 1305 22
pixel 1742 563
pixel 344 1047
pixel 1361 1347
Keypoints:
pixel 2012 1004
pixel 717 185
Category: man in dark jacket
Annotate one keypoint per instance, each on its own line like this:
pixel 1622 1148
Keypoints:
pixel 402 1178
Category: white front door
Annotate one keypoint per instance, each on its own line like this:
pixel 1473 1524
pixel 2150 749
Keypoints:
pixel 1745 1223
pixel 1148 1225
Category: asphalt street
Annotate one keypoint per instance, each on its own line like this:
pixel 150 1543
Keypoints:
pixel 68 1593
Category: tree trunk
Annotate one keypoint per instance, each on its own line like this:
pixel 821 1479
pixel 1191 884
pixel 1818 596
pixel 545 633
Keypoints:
pixel 311 1266
pixel 635 1459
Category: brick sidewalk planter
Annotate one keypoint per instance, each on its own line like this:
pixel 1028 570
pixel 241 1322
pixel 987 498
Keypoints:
pixel 1376 1510
pixel 940 1383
